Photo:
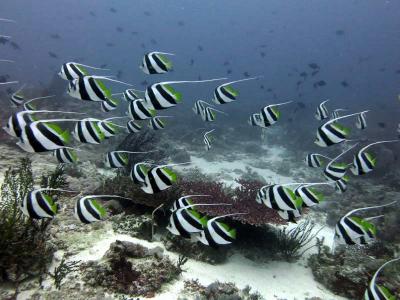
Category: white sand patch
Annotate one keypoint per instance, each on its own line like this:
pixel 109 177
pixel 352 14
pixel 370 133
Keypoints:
pixel 226 171
pixel 273 280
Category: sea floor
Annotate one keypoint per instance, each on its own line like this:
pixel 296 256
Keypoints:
pixel 274 280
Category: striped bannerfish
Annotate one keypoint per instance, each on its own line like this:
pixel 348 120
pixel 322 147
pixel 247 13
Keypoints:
pixel 42 136
pixel 356 231
pixel 225 93
pixel 131 94
pixel 365 162
pixel 17 121
pixel 162 95
pixel 255 120
pixel 361 122
pixel 278 197
pixel 269 114
pixel 332 133
pixel 216 233
pixel 108 105
pixel 207 139
pixel 38 205
pixel 139 110
pixel 88 131
pixel 335 171
pixel 139 172
pixel 159 178
pixel 209 114
pixel 119 158
pixel 376 291
pixel 17 98
pixel 313 160
pixel 73 70
pixel 341 184
pixel 184 201
pixel 66 155
pixel 290 215
pixel 156 123
pixel 262 194
pixel 92 88
pixel 29 107
pixel 322 111
pixel 335 114
pixel 88 210
pixel 156 63
pixel 310 196
pixel 132 127
pixel 186 220
pixel 108 128
pixel 199 107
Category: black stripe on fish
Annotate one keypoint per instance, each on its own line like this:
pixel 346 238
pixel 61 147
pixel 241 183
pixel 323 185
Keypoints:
pixel 99 93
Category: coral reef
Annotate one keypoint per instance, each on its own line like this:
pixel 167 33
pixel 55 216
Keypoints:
pixel 62 271
pixel 131 269
pixel 218 291
pixel 242 199
pixel 347 273
pixel 138 226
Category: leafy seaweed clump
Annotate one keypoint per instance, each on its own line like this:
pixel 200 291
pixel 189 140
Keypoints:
pixel 23 248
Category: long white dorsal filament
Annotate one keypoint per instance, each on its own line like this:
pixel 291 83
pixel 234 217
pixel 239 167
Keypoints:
pixel 109 79
pixel 205 204
pixel 376 143
pixel 278 104
pixel 52 111
pixel 90 67
pixel 59 190
pixel 173 165
pixel 240 80
pixel 220 111
pixel 134 152
pixel 208 132
pixel 369 207
pixel 189 81
pixel 228 215
pixel 323 102
pixel 341 154
pixel 7 60
pixel 105 196
pixel 8 82
pixel 37 98
pixel 165 53
pixel 5 36
pixel 7 20
pixel 342 117
pixel 381 267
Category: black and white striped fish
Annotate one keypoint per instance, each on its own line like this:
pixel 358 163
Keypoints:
pixel 92 88
pixel 225 93
pixel 139 172
pixel 209 114
pixel 361 122
pixel 162 95
pixel 279 197
pixel 322 111
pixel 332 133
pixel 159 178
pixel 341 184
pixel 139 110
pixel 186 221
pixel 335 113
pixel 269 115
pixel 73 70
pixel 207 139
pixel 132 94
pixel 184 201
pixel 364 162
pixel 42 136
pixel 88 131
pixel 255 120
pixel 108 105
pixel 39 205
pixel 17 98
pixel 290 215
pixel 216 233
pixel 377 291
pixel 156 123
pixel 132 127
pixel 352 230
pixel 119 158
pixel 108 127
pixel 199 107
pixel 335 171
pixel 66 155
pixel 156 63
pixel 88 210
pixel 310 196
pixel 313 160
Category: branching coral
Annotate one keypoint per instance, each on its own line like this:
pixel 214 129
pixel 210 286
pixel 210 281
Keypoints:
pixel 63 270
pixel 242 199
